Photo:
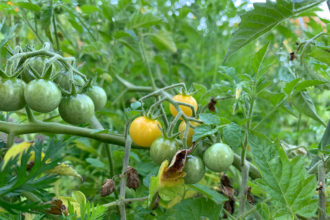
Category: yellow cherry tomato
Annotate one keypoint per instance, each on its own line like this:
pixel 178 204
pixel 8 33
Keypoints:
pixel 186 110
pixel 144 131
pixel 182 128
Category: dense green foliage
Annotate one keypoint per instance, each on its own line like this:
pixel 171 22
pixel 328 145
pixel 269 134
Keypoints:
pixel 260 76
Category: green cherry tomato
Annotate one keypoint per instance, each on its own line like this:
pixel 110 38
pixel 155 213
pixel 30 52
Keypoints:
pixel 37 64
pixel 77 109
pixel 12 95
pixel 163 149
pixel 218 157
pixel 63 81
pixel 42 95
pixel 194 169
pixel 98 95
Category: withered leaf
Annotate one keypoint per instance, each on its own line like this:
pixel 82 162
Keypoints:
pixel 174 173
pixel 226 187
pixel 250 197
pixel 133 180
pixel 211 104
pixel 57 207
pixel 108 187
pixel 229 206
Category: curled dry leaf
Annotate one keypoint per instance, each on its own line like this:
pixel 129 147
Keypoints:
pixel 226 187
pixel 211 104
pixel 228 190
pixel 133 180
pixel 173 174
pixel 57 208
pixel 250 197
pixel 108 187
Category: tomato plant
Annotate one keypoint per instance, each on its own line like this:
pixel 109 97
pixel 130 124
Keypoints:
pixel 42 95
pixel 12 94
pixel 218 157
pixel 164 109
pixel 163 149
pixel 144 131
pixel 188 99
pixel 182 128
pixel 76 109
pixel 194 169
pixel 98 95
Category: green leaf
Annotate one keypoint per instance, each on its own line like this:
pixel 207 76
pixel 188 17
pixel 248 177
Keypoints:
pixel 321 55
pixel 79 197
pixel 203 131
pixel 263 18
pixel 84 147
pixel 29 6
pixel 76 25
pixel 193 209
pixel 290 86
pixel 209 118
pixel 304 104
pixel 209 193
pixel 325 141
pixel 95 162
pixel 165 39
pixel 232 135
pixel 142 20
pixel 286 181
pixel 308 83
pixel 258 58
pixel 89 9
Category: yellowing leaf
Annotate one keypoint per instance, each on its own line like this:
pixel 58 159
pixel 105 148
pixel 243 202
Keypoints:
pixel 16 150
pixel 173 174
pixel 65 170
pixel 73 202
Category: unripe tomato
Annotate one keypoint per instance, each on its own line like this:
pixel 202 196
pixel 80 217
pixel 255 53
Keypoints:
pixel 76 109
pixel 12 95
pixel 63 80
pixel 186 110
pixel 144 131
pixel 98 95
pixel 218 157
pixel 163 149
pixel 182 128
pixel 194 169
pixel 37 64
pixel 42 95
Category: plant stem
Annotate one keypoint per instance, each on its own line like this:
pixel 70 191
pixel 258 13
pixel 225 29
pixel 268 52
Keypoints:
pixel 322 195
pixel 57 128
pixel 30 115
pixel 126 201
pixel 245 177
pixel 123 177
pixel 10 139
pixel 244 166
pixel 144 57
pixel 55 31
pixel 253 170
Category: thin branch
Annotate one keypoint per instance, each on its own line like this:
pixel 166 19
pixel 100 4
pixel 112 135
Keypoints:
pixel 126 201
pixel 123 177
pixel 322 195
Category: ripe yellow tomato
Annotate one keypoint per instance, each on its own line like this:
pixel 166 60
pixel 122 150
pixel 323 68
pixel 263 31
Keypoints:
pixel 182 128
pixel 144 131
pixel 186 110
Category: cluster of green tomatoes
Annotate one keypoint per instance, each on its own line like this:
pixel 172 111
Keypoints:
pixel 43 91
pixel 146 132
